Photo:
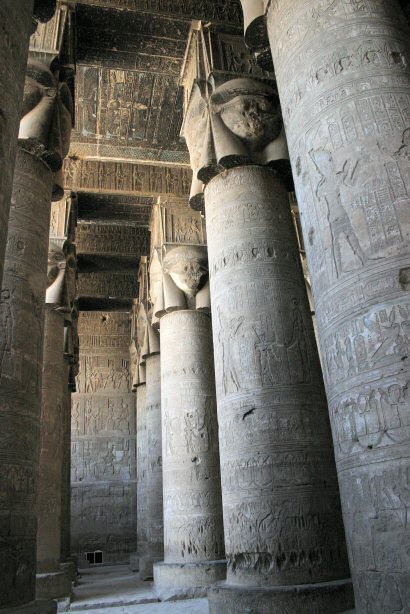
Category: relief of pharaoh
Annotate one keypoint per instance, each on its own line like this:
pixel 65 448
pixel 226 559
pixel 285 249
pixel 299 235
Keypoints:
pixel 239 123
pixel 185 282
pixel 45 127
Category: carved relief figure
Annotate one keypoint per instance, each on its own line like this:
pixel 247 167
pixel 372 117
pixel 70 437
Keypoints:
pixel 6 327
pixel 328 189
pixel 298 355
pixel 197 435
pixel 230 351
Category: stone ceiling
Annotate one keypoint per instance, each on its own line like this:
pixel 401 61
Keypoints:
pixel 126 149
pixel 129 54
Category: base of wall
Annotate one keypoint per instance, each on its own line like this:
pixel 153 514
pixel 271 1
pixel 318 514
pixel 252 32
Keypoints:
pixel 147 563
pixel 335 597
pixel 53 585
pixel 173 581
pixel 39 606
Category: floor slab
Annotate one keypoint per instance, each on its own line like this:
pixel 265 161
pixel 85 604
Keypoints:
pixel 116 590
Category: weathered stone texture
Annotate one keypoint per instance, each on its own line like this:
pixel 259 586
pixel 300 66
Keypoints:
pixel 49 487
pixel 127 178
pixel 154 497
pixel 344 82
pixel 103 441
pixel 65 524
pixel 282 515
pixel 142 467
pixel 51 582
pixel 193 525
pixel 15 30
pixel 21 353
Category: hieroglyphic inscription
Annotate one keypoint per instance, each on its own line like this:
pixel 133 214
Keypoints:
pixel 271 406
pixel 347 63
pixel 107 285
pixel 112 239
pixel 99 176
pixel 129 108
pixel 103 426
pixel 224 11
pixel 192 532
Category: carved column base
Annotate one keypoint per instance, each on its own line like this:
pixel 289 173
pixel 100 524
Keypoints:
pixel 146 567
pixel 53 585
pixel 35 607
pixel 70 568
pixel 321 598
pixel 174 581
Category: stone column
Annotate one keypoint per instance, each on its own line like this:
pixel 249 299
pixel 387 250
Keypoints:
pixel 51 581
pixel 193 524
pixel 153 484
pixel 142 466
pixel 283 528
pixel 344 80
pixel 68 563
pixel 21 343
pixel 16 25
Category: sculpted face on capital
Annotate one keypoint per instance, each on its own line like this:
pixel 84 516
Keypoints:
pixel 254 119
pixel 188 268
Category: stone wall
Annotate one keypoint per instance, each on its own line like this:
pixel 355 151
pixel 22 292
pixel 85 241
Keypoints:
pixel 104 514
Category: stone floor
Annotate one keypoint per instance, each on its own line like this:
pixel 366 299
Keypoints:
pixel 117 590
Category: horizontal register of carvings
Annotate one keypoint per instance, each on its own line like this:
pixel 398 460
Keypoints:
pixel 125 177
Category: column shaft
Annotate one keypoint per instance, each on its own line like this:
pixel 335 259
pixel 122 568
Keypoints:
pixel 142 466
pixel 15 30
pixel 283 528
pixel 344 80
pixel 21 352
pixel 154 497
pixel 65 524
pixel 51 581
pixel 193 524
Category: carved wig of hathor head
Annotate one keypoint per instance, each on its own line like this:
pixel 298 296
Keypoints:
pixel 239 123
pixel 46 121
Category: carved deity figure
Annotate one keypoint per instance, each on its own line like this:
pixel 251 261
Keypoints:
pixel 46 121
pixel 181 280
pixel 187 267
pixel 238 123
pixel 329 190
pixel 6 326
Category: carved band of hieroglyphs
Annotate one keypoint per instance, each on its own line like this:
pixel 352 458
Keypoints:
pixel 265 364
pixel 98 176
pixel 107 284
pixel 343 76
pixel 226 12
pixel 112 239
